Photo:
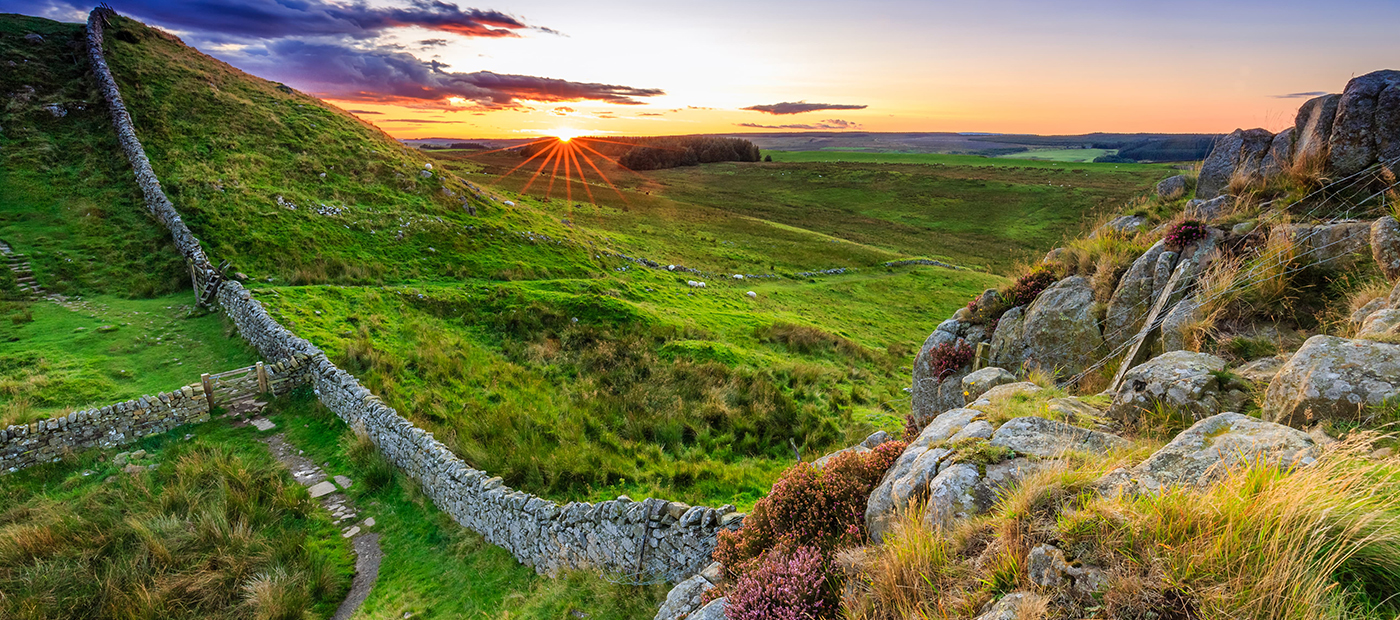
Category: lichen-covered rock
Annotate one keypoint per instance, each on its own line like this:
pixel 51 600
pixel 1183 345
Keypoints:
pixel 1335 246
pixel 1131 298
pixel 978 382
pixel 1010 607
pixel 1207 210
pixel 907 479
pixel 714 610
pixel 684 598
pixel 1381 324
pixel 1008 346
pixel 1183 380
pixel 1172 187
pixel 871 441
pixel 933 394
pixel 1359 317
pixel 1312 130
pixel 1241 153
pixel 1040 437
pixel 1367 126
pixel 1121 224
pixel 1003 392
pixel 1176 323
pixel 1279 156
pixel 1073 409
pixel 1333 378
pixel 962 490
pixel 1385 246
pixel 1060 330
pixel 1047 567
pixel 1210 449
pixel 1263 370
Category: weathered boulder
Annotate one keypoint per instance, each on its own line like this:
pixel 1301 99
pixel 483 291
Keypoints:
pixel 714 610
pixel 1367 126
pixel 1047 567
pixel 1130 299
pixel 908 478
pixel 1280 154
pixel 933 394
pixel 1172 187
pixel 1060 330
pixel 1263 370
pixel 684 598
pixel 1176 323
pixel 874 439
pixel 1332 377
pixel 962 490
pixel 1335 246
pixel 1008 344
pixel 1210 448
pixel 1003 392
pixel 1072 409
pixel 1010 607
pixel 1312 130
pixel 1239 154
pixel 1183 380
pixel 1121 224
pixel 1359 317
pixel 1036 436
pixel 1381 324
pixel 978 382
pixel 1207 210
pixel 1385 246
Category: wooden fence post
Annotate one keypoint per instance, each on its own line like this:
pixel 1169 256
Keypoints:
pixel 984 356
pixel 262 378
pixel 208 390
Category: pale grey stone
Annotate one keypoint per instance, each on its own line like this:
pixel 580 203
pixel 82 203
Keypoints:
pixel 1041 437
pixel 1333 378
pixel 1312 129
pixel 1172 187
pixel 1366 127
pixel 978 382
pixel 684 598
pixel 1240 153
pixel 1211 448
pixel 1385 246
pixel 1183 380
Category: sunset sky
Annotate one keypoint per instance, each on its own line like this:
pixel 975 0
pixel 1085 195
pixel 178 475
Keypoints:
pixel 521 68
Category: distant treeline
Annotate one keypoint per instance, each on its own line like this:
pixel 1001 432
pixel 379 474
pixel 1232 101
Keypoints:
pixel 1131 147
pixel 454 145
pixel 655 153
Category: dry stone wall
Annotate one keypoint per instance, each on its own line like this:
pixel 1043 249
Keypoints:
pixel 48 440
pixel 648 540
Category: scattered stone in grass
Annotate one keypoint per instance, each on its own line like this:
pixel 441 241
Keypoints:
pixel 350 533
pixel 321 489
pixel 263 424
pixel 343 481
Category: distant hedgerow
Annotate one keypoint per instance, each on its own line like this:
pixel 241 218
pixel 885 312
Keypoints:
pixel 1185 233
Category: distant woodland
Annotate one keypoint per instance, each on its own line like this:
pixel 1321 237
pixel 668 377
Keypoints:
pixel 655 153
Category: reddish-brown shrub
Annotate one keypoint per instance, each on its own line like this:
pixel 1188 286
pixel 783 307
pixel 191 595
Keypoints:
pixel 784 586
pixel 1028 286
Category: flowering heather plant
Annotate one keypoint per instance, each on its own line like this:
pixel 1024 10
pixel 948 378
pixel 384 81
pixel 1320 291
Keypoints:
pixel 947 358
pixel 1028 286
pixel 1185 233
pixel 784 586
pixel 823 510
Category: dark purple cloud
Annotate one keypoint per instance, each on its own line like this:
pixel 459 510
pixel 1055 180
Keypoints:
pixel 363 112
pixel 346 73
pixel 830 123
pixel 798 107
pixel 276 19
pixel 1307 95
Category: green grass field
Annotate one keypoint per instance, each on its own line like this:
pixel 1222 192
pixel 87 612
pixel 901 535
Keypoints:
pixel 1061 155
pixel 99 350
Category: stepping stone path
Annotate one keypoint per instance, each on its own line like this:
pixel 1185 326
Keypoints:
pixel 24 274
pixel 321 488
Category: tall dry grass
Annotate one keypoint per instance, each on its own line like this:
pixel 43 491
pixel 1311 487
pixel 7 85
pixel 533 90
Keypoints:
pixel 1318 542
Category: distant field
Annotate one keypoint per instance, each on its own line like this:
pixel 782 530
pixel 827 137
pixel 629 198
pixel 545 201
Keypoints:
pixel 1061 155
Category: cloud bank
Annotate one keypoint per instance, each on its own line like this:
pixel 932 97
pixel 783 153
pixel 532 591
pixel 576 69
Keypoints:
pixel 830 123
pixel 798 107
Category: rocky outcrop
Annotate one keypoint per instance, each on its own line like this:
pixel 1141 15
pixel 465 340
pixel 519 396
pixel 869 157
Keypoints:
pixel 1367 125
pixel 1172 187
pixel 1278 158
pixel 1035 436
pixel 1177 323
pixel 1210 449
pixel 1263 370
pixel 1047 567
pixel 1131 299
pixel 1312 130
pixel 1122 224
pixel 964 490
pixel 1013 607
pixel 714 610
pixel 1237 155
pixel 1333 378
pixel 1382 324
pixel 1385 246
pixel 683 599
pixel 978 382
pixel 907 480
pixel 1182 380
pixel 1335 246
pixel 1058 332
pixel 1207 210
pixel 934 394
pixel 871 442
pixel 1008 344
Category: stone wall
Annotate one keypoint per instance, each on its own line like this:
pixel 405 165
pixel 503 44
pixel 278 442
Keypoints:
pixel 648 540
pixel 46 441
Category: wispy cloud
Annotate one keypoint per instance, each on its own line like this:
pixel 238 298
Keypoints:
pixel 798 107
pixel 830 123
pixel 363 112
pixel 1307 95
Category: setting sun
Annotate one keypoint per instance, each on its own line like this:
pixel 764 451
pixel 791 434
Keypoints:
pixel 565 133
